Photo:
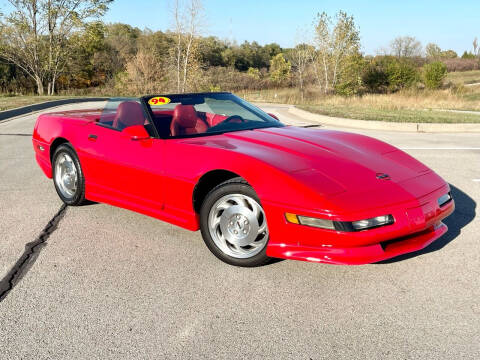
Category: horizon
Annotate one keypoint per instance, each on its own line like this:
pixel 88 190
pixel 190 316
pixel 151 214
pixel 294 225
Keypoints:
pixel 379 23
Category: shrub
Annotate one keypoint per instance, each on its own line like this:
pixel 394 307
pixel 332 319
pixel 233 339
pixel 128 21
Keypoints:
pixel 401 75
pixel 434 74
pixel 388 73
pixel 375 79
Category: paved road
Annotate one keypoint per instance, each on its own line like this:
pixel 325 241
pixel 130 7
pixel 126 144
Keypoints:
pixel 114 284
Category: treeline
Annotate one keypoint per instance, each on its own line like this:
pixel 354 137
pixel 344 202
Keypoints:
pixel 64 47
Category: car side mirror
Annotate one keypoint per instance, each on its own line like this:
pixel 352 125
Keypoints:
pixel 136 132
pixel 274 116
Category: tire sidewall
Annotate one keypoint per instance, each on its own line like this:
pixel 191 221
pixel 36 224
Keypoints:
pixel 229 188
pixel 78 198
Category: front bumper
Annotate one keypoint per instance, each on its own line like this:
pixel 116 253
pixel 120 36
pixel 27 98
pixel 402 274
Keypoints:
pixel 417 225
pixel 362 254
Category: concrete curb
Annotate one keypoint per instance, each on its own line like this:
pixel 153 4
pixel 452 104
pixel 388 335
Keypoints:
pixel 381 125
pixel 8 114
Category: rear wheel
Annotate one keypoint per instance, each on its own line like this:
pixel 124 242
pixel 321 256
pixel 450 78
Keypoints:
pixel 233 224
pixel 68 176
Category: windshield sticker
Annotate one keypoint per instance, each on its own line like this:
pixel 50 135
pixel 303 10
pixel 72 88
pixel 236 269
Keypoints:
pixel 159 100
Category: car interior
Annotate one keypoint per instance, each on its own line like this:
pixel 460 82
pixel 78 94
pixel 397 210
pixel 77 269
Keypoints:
pixel 182 120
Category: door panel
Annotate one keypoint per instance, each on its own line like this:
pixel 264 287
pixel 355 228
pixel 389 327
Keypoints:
pixel 123 169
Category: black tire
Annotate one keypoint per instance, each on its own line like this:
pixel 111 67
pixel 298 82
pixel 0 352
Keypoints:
pixel 233 186
pixel 79 196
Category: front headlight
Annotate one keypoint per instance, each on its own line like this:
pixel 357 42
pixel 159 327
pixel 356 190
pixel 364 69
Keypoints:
pixel 348 226
pixel 373 222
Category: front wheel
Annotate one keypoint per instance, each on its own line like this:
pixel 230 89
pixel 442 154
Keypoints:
pixel 234 225
pixel 68 176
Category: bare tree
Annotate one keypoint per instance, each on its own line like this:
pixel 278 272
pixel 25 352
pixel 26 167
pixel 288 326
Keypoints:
pixel 476 50
pixel 188 20
pixel 34 35
pixel 406 46
pixel 300 57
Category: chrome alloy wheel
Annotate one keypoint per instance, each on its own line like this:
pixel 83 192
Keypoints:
pixel 66 176
pixel 238 226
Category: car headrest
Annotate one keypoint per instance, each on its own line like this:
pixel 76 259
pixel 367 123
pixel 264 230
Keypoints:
pixel 185 116
pixel 129 113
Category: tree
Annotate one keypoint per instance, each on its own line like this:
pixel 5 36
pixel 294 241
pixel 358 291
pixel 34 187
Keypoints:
pixel 350 82
pixel 121 44
pixel 448 54
pixel 434 74
pixel 188 21
pixel 433 51
pixel 467 55
pixel 272 49
pixel 211 50
pixel 334 43
pixel 406 46
pixel 476 49
pixel 34 36
pixel 81 69
pixel 143 72
pixel 300 57
pixel 279 69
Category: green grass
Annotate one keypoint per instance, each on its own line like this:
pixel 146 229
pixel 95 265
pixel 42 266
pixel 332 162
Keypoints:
pixel 392 115
pixel 11 102
pixel 464 77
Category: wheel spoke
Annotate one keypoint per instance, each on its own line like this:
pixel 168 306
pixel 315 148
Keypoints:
pixel 262 228
pixel 216 221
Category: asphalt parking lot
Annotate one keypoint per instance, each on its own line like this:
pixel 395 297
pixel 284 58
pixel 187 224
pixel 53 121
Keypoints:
pixel 110 283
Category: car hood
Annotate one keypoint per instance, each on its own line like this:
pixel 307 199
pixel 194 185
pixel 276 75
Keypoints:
pixel 348 158
pixel 331 162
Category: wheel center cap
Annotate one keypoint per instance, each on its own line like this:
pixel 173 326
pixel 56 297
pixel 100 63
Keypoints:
pixel 238 226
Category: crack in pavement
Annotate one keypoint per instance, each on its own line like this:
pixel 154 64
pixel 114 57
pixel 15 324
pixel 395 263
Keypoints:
pixel 15 134
pixel 29 256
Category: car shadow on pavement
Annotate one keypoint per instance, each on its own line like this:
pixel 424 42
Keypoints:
pixel 463 215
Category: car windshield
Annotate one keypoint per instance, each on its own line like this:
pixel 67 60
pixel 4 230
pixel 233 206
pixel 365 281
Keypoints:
pixel 192 115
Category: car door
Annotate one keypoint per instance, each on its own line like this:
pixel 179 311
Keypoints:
pixel 124 170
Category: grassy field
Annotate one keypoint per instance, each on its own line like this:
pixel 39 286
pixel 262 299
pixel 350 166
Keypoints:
pixel 397 115
pixel 406 106
pixel 11 102
pixel 464 77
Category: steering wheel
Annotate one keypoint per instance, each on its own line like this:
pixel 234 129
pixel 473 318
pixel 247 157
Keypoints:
pixel 234 117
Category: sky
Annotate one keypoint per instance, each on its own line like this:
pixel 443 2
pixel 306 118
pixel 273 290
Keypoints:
pixel 450 24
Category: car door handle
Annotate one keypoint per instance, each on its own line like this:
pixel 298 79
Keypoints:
pixel 92 137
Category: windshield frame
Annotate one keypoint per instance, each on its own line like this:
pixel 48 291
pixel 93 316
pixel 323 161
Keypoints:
pixel 269 120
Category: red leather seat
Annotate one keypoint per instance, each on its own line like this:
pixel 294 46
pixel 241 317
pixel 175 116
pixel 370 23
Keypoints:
pixel 186 121
pixel 129 113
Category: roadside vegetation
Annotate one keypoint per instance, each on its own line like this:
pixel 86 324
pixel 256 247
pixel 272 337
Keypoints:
pixel 11 102
pixel 63 48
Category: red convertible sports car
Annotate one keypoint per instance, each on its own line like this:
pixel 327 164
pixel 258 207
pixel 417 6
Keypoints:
pixel 256 188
